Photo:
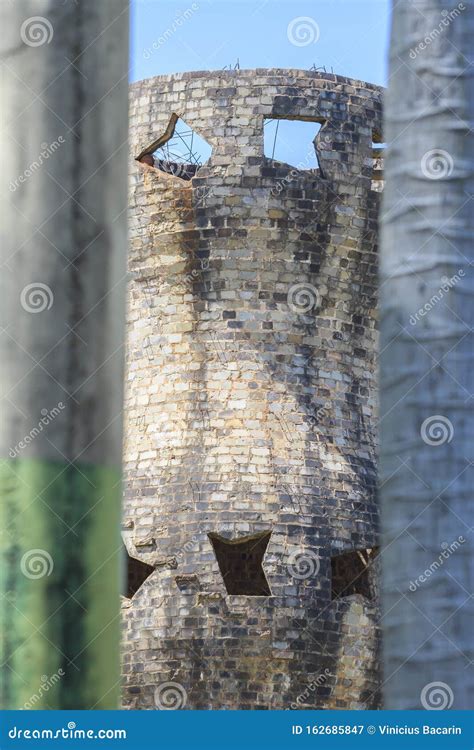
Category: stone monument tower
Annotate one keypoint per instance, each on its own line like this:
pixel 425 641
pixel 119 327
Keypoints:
pixel 250 520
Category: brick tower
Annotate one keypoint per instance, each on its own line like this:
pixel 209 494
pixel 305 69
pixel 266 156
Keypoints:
pixel 249 517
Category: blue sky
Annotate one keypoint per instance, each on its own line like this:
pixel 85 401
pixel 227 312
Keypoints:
pixel 353 36
pixel 350 36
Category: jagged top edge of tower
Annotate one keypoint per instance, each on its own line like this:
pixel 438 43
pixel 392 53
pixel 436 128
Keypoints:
pixel 288 73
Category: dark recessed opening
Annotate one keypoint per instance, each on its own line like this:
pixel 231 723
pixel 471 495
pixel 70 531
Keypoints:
pixel 136 574
pixel 240 562
pixel 352 573
pixel 179 151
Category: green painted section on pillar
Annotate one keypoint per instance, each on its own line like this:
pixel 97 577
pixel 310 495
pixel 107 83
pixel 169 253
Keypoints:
pixel 60 585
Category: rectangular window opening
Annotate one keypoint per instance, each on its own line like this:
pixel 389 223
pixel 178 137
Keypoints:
pixel 291 142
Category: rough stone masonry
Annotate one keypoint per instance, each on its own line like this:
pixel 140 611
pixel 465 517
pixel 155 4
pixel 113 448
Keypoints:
pixel 250 519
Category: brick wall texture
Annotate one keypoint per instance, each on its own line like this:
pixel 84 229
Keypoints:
pixel 251 397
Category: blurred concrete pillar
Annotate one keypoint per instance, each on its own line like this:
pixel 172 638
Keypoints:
pixel 63 151
pixel 427 358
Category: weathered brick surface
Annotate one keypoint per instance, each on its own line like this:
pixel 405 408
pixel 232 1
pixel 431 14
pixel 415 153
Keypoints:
pixel 248 408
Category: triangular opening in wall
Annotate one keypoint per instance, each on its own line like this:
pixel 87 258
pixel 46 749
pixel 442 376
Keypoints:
pixel 352 573
pixel 136 573
pixel 179 151
pixel 240 563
